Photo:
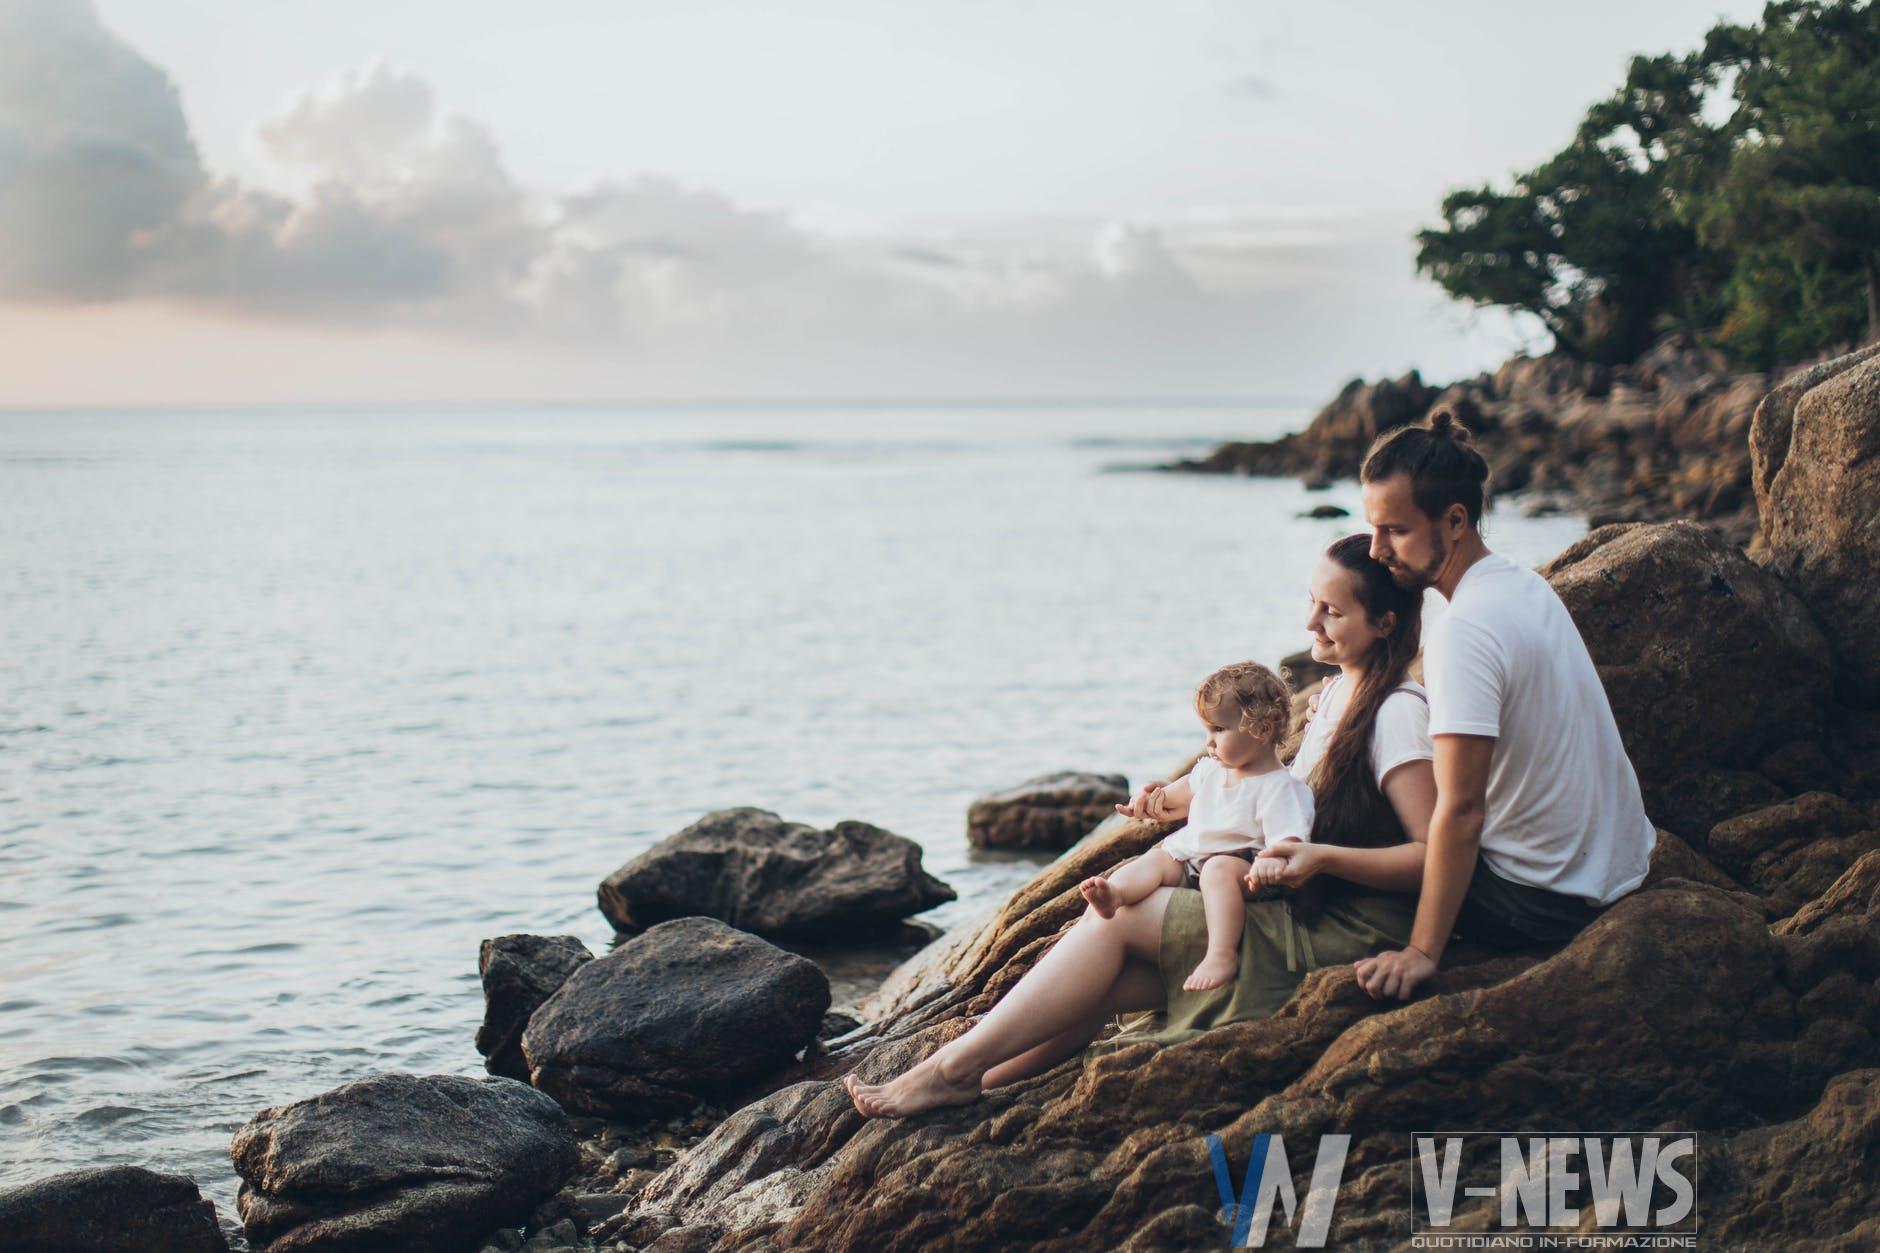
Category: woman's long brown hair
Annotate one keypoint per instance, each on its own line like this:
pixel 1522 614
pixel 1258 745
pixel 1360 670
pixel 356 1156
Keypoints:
pixel 1351 807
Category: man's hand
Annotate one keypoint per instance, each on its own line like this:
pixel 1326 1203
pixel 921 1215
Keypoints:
pixel 1144 803
pixel 1288 863
pixel 1394 974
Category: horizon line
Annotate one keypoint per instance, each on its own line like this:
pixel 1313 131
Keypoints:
pixel 671 402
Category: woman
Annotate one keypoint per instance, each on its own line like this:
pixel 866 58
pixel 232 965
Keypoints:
pixel 1367 756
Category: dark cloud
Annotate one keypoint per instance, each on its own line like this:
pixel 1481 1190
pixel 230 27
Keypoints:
pixel 94 155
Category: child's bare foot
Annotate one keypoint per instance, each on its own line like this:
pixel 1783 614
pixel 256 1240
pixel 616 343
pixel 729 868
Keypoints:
pixel 1100 894
pixel 923 1086
pixel 1212 972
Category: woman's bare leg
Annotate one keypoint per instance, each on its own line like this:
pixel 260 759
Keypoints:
pixel 1139 987
pixel 1058 994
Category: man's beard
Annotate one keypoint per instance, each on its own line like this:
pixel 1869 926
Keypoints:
pixel 1420 579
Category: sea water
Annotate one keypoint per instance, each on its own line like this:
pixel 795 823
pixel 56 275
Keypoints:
pixel 297 706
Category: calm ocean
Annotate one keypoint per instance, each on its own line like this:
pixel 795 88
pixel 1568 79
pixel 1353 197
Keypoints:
pixel 298 706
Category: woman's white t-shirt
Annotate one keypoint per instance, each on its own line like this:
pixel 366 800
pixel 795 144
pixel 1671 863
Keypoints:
pixel 1400 735
pixel 1240 817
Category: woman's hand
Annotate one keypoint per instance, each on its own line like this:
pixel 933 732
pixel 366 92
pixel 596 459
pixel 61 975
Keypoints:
pixel 1297 862
pixel 1144 803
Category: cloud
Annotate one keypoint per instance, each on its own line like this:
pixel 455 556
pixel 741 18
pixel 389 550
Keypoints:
pixel 403 217
pixel 94 153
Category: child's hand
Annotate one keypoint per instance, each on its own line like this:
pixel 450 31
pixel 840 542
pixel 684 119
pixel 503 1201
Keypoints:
pixel 1143 804
pixel 1286 862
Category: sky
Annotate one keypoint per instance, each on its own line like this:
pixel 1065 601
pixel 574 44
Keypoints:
pixel 218 201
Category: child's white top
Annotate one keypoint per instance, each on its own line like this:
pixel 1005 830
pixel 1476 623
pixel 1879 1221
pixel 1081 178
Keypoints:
pixel 1241 817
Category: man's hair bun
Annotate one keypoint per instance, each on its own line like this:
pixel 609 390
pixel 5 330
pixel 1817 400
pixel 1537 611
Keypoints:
pixel 1444 424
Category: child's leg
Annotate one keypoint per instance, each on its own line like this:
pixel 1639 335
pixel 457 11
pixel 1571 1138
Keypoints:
pixel 1131 881
pixel 1221 905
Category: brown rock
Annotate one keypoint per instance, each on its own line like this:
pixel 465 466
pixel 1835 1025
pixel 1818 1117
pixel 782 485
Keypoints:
pixel 1050 812
pixel 1815 445
pixel 1710 663
pixel 1793 851
pixel 1677 1008
pixel 1806 1183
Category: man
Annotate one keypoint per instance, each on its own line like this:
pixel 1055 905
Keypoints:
pixel 1539 824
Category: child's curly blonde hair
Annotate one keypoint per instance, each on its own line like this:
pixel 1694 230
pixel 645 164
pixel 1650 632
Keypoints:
pixel 1263 699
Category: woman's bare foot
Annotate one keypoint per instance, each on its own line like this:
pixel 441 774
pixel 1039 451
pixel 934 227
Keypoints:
pixel 1100 894
pixel 921 1087
pixel 1212 972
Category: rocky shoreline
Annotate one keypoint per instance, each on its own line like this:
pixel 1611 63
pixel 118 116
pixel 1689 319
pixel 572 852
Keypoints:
pixel 1664 437
pixel 680 1091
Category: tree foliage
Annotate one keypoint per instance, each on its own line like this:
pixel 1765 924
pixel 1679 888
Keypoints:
pixel 1732 193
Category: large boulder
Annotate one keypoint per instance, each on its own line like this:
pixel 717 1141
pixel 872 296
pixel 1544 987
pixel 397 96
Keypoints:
pixel 750 868
pixel 1050 812
pixel 520 972
pixel 1712 666
pixel 690 1010
pixel 1815 449
pixel 400 1161
pixel 109 1209
pixel 1678 1008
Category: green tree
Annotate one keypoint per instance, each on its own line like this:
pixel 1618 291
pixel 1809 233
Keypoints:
pixel 1798 204
pixel 1591 242
pixel 1733 193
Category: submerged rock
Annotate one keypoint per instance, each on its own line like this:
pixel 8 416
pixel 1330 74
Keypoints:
pixel 1049 812
pixel 690 1010
pixel 520 972
pixel 109 1209
pixel 750 868
pixel 410 1162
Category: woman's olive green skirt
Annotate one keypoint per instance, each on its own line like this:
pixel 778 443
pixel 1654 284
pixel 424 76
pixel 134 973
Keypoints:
pixel 1278 948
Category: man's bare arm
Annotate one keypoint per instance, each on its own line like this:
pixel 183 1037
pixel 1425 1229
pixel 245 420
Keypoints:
pixel 1462 763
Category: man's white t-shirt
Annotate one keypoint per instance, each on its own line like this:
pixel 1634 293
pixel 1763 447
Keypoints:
pixel 1401 733
pixel 1241 817
pixel 1564 811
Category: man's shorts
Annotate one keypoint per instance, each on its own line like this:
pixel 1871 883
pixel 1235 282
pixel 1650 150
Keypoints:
pixel 1501 912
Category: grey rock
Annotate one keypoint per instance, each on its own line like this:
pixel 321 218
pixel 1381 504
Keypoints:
pixel 750 868
pixel 1051 811
pixel 519 973
pixel 411 1162
pixel 690 1010
pixel 109 1209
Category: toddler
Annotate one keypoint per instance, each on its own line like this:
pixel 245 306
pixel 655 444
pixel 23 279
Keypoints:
pixel 1238 799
